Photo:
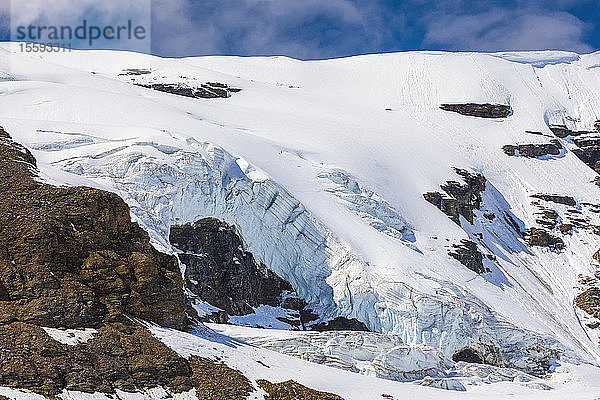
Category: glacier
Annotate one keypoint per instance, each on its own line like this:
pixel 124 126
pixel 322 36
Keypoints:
pixel 322 167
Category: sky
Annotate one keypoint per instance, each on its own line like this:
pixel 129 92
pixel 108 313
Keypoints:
pixel 317 29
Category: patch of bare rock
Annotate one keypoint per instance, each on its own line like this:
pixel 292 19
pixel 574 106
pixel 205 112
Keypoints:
pixel 485 110
pixel 534 150
pixel 208 90
pixel 292 390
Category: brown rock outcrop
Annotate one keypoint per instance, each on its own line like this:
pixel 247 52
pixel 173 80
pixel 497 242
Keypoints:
pixel 589 301
pixel 292 390
pixel 556 198
pixel 542 238
pixel 465 197
pixel 71 257
pixel 485 110
pixel 215 380
pixel 588 151
pixel 468 255
pixel 120 356
pixel 534 150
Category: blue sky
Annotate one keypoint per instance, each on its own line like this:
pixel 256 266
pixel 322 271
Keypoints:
pixel 310 29
pixel 313 29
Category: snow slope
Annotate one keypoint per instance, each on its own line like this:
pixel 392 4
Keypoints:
pixel 322 166
pixel 572 381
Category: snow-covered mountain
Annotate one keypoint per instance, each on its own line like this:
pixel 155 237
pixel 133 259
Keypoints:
pixel 447 199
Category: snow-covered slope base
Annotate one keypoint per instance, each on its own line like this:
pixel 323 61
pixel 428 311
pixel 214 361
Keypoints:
pixel 570 381
pixel 322 167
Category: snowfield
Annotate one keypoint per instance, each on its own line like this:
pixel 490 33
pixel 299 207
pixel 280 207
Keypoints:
pixel 322 167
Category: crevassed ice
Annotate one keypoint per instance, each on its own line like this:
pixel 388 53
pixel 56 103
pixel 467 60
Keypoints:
pixel 183 186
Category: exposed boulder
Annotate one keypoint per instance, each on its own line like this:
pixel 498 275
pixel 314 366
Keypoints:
pixel 486 110
pixel 534 150
pixel 561 131
pixel 459 198
pixel 468 255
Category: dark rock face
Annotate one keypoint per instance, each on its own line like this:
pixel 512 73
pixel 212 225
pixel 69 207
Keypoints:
pixel 340 324
pixel 469 355
pixel 588 151
pixel 465 197
pixel 208 90
pixel 479 110
pixel 562 131
pixel 221 272
pixel 534 150
pixel 555 198
pixel 588 144
pixel 461 199
pixel 542 238
pixel 469 256
pixel 547 218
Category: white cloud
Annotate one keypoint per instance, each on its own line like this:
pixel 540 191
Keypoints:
pixel 297 28
pixel 502 29
pixel 57 13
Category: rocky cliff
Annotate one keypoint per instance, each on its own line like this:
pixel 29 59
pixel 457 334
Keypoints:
pixel 72 258
pixel 78 280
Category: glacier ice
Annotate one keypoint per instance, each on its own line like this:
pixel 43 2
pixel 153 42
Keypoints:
pixel 170 186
